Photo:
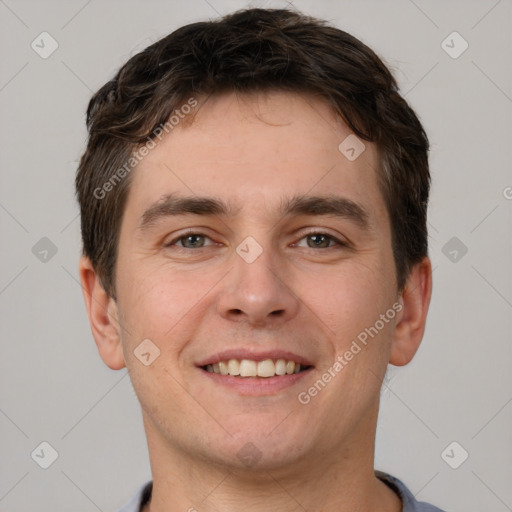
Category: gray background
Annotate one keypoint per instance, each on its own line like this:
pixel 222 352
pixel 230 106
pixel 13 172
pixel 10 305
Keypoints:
pixel 55 388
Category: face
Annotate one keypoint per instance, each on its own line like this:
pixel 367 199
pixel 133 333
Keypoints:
pixel 250 243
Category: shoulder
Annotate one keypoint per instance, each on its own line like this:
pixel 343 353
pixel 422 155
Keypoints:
pixel 410 504
pixel 139 499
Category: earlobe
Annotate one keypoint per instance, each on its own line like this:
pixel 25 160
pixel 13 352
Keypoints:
pixel 411 321
pixel 103 316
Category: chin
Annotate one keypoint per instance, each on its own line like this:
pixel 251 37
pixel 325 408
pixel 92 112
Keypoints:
pixel 259 446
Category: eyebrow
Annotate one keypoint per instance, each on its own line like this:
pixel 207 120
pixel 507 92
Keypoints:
pixel 172 205
pixel 330 205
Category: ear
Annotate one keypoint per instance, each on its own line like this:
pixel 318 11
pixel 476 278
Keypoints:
pixel 103 316
pixel 411 322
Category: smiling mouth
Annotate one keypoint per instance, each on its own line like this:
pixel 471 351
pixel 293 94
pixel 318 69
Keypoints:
pixel 249 368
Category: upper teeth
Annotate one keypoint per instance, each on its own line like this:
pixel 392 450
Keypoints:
pixel 249 368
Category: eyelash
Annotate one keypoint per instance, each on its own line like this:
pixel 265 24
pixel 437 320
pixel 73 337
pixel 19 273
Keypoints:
pixel 336 241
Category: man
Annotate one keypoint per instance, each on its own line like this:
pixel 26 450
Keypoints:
pixel 253 200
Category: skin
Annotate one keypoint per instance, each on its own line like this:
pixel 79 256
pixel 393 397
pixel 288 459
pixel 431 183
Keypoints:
pixel 253 152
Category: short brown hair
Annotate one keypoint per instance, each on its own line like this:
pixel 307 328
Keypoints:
pixel 248 51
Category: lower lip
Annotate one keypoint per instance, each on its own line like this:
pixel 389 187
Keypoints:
pixel 256 386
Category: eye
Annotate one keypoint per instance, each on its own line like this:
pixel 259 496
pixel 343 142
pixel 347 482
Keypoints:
pixel 320 241
pixel 314 240
pixel 190 241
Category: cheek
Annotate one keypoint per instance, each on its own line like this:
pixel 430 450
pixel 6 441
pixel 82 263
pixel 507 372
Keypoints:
pixel 351 299
pixel 159 301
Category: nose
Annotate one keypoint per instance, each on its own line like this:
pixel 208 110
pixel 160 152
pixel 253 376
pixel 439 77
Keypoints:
pixel 257 293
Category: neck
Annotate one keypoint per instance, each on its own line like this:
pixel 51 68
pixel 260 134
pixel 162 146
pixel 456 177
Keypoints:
pixel 340 479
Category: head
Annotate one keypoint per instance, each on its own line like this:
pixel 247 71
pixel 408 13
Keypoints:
pixel 255 186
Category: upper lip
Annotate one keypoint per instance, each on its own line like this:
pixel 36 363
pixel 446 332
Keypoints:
pixel 253 355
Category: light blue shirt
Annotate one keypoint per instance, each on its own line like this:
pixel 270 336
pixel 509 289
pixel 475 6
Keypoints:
pixel 410 504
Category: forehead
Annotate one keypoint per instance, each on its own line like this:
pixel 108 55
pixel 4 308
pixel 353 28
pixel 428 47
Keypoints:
pixel 249 149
